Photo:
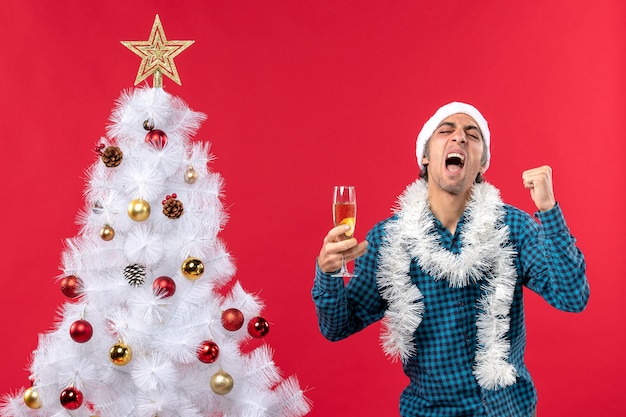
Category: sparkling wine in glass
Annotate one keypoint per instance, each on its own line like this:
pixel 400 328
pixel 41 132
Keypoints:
pixel 344 212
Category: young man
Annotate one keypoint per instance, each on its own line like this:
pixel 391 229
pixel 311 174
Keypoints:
pixel 445 274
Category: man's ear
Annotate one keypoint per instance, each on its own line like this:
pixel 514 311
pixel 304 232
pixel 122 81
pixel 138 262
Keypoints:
pixel 424 160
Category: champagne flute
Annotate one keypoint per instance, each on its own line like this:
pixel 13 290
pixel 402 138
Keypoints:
pixel 344 212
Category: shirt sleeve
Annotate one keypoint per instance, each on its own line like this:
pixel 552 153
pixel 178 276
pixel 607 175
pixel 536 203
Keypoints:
pixel 551 263
pixel 343 310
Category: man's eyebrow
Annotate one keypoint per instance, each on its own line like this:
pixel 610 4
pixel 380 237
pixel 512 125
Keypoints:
pixel 449 124
pixel 453 125
pixel 473 127
pixel 465 128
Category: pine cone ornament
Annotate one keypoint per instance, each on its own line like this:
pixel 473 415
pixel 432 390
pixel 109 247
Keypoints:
pixel 112 156
pixel 135 274
pixel 172 207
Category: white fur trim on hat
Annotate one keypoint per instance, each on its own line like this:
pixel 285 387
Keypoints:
pixel 444 112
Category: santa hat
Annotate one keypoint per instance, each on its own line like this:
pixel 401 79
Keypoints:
pixel 444 112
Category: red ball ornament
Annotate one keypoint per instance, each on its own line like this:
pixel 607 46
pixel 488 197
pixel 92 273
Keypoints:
pixel 81 331
pixel 232 319
pixel 164 286
pixel 208 351
pixel 258 327
pixel 156 138
pixel 70 286
pixel 71 398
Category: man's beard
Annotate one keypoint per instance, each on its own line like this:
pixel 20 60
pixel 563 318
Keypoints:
pixel 455 188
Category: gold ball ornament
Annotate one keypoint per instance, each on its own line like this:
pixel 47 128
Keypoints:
pixel 192 268
pixel 191 175
pixel 120 354
pixel 139 210
pixel 107 233
pixel 222 383
pixel 32 399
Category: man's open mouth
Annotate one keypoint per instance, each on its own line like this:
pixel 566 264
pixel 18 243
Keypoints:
pixel 455 161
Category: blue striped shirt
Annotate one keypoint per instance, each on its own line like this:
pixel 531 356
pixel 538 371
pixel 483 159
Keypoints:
pixel 441 379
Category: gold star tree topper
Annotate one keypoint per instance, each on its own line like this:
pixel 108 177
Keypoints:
pixel 157 55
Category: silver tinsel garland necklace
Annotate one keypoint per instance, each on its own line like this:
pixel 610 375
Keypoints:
pixel 486 255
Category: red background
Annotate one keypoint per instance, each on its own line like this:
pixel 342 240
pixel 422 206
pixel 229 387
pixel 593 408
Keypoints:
pixel 301 95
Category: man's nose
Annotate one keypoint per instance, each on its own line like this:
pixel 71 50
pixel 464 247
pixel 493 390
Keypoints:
pixel 459 136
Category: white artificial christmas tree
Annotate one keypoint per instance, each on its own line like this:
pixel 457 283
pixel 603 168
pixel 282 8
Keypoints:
pixel 148 329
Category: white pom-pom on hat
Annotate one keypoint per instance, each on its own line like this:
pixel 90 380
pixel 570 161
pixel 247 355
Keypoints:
pixel 446 111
